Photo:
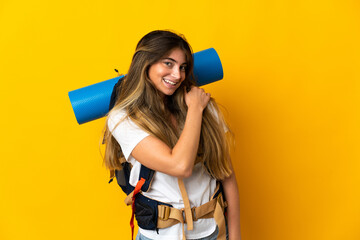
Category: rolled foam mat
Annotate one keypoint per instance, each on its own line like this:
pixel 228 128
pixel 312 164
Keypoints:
pixel 92 102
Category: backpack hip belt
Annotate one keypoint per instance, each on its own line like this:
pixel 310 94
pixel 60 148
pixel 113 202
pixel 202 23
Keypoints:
pixel 215 208
pixel 154 215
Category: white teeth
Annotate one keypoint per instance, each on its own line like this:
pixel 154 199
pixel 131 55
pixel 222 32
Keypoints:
pixel 170 82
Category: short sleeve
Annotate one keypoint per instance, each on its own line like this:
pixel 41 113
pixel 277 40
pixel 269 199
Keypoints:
pixel 126 133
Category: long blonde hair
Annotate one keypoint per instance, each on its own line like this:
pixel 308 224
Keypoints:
pixel 145 107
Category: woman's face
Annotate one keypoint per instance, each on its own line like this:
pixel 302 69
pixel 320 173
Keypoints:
pixel 169 72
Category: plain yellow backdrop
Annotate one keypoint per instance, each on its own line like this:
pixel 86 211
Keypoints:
pixel 290 89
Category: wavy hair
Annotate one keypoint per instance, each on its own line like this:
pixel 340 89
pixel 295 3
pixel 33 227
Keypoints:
pixel 145 107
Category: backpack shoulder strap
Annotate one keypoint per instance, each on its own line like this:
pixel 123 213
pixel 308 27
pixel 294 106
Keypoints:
pixel 123 176
pixel 145 177
pixel 147 174
pixel 114 93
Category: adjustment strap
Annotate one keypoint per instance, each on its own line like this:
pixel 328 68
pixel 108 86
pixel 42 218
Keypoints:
pixel 187 209
pixel 169 216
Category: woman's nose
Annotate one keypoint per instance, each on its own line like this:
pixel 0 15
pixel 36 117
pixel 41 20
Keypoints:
pixel 176 73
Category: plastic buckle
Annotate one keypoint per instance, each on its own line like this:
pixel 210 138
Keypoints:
pixel 164 213
pixel 193 214
pixel 183 214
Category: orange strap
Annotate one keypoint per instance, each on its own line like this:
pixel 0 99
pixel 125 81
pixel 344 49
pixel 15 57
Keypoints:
pixel 137 189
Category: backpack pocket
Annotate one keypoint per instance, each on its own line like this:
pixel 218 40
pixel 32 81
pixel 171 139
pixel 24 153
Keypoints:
pixel 146 212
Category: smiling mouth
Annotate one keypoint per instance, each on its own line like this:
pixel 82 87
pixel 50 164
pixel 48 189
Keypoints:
pixel 170 82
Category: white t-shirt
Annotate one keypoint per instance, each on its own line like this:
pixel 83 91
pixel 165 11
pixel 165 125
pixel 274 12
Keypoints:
pixel 199 186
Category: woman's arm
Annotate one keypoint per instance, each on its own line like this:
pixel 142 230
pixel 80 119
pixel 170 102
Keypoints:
pixel 233 211
pixel 179 161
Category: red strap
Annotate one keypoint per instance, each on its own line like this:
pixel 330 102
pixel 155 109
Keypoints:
pixel 137 189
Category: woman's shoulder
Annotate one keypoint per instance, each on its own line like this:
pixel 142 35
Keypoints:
pixel 216 112
pixel 214 109
pixel 211 106
pixel 115 117
pixel 119 119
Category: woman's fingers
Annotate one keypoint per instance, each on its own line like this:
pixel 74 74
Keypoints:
pixel 197 97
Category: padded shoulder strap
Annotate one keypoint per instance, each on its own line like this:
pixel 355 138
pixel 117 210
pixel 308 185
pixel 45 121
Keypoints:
pixel 114 93
pixel 147 174
pixel 123 176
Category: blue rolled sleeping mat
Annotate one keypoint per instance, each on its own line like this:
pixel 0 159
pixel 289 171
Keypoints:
pixel 92 102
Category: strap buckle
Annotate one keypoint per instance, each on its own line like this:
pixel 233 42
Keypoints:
pixel 193 213
pixel 164 212
pixel 182 210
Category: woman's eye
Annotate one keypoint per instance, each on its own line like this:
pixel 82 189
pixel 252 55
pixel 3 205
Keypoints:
pixel 169 64
pixel 183 68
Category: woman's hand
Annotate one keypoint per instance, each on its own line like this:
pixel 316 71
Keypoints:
pixel 197 97
pixel 179 160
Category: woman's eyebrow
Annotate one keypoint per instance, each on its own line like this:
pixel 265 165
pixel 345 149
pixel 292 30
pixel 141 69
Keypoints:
pixel 171 59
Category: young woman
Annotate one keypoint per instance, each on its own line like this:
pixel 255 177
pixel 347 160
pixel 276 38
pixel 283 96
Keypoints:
pixel 161 120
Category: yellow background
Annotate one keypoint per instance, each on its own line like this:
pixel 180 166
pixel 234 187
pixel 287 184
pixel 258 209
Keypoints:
pixel 291 90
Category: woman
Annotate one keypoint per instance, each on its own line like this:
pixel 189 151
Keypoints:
pixel 163 121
